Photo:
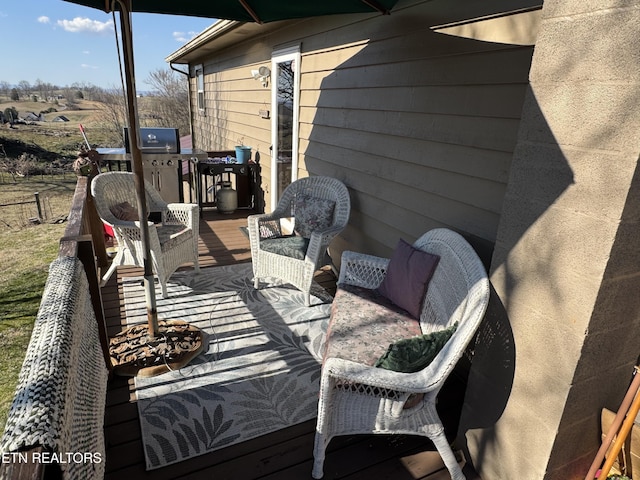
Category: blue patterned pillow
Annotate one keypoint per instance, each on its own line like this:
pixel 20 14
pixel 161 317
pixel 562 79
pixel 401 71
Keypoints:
pixel 312 213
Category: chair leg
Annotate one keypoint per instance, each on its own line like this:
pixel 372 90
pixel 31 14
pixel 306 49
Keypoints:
pixel 318 456
pixel 163 287
pixel 307 299
pixel 196 262
pixel 256 283
pixel 107 275
pixel 448 457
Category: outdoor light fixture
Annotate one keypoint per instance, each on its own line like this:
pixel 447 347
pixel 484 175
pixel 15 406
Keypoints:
pixel 262 74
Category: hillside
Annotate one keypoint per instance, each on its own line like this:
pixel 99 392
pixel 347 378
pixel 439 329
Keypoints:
pixel 49 140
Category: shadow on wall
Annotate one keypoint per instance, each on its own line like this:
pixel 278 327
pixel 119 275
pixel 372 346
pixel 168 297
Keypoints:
pixel 420 125
pixel 493 353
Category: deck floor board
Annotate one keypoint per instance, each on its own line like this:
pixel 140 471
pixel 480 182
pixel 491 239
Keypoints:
pixel 283 455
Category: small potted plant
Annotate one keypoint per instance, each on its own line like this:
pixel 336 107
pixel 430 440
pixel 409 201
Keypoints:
pixel 243 152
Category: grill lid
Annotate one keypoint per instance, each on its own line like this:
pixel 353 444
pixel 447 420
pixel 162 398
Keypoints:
pixel 155 140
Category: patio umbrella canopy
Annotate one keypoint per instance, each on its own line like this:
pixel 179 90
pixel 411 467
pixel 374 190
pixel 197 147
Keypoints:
pixel 261 11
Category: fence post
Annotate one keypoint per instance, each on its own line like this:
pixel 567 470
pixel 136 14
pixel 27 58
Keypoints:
pixel 37 195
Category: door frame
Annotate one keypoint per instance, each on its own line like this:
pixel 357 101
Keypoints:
pixel 278 56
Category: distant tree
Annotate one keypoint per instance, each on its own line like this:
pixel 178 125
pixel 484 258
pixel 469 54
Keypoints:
pixel 88 90
pixel 114 112
pixel 5 88
pixel 45 89
pixel 79 95
pixel 24 87
pixel 15 96
pixel 70 98
pixel 171 99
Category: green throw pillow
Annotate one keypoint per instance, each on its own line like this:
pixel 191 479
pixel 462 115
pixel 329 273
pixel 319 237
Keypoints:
pixel 413 354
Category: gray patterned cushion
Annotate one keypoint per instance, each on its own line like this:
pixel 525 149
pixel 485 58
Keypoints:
pixel 293 246
pixel 171 236
pixel 312 214
pixel 125 211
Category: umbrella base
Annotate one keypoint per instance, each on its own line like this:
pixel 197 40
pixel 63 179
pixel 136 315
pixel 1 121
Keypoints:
pixel 134 353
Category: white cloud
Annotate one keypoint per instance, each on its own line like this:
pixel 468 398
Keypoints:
pixel 44 19
pixel 81 24
pixel 89 67
pixel 183 37
pixel 86 52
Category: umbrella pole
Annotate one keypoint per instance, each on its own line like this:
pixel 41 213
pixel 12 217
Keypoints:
pixel 136 156
pixel 161 346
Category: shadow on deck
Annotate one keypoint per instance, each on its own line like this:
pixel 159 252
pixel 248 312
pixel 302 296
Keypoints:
pixel 286 454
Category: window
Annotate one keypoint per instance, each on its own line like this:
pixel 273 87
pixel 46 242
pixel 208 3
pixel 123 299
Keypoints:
pixel 200 87
pixel 285 101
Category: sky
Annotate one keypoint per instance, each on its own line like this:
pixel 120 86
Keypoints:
pixel 62 43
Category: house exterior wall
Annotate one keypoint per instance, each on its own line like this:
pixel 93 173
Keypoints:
pixel 432 117
pixel 417 113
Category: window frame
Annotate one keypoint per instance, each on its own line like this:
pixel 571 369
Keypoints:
pixel 200 90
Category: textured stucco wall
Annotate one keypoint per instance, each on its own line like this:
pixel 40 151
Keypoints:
pixel 560 338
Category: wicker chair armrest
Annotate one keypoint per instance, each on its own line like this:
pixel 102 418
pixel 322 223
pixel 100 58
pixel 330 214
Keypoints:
pixel 328 232
pixel 320 240
pixel 131 230
pixel 262 217
pixel 255 222
pixel 128 224
pixel 352 372
pixel 362 270
pixel 183 207
pixel 180 213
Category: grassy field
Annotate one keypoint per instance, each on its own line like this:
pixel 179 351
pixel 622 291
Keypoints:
pixel 26 250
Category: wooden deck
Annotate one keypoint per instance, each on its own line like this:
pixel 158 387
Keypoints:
pixel 284 455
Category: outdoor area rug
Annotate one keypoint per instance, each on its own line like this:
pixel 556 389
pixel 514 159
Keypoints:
pixel 260 374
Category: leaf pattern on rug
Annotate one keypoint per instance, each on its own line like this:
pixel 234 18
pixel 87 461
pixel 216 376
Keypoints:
pixel 261 372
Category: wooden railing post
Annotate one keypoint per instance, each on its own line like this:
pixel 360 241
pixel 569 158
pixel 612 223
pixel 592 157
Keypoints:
pixel 84 238
pixel 96 228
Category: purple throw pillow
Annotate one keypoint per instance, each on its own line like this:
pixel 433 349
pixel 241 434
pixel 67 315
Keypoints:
pixel 408 276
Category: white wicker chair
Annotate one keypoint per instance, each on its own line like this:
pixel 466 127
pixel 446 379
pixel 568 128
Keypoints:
pixel 173 243
pixel 265 228
pixel 361 399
